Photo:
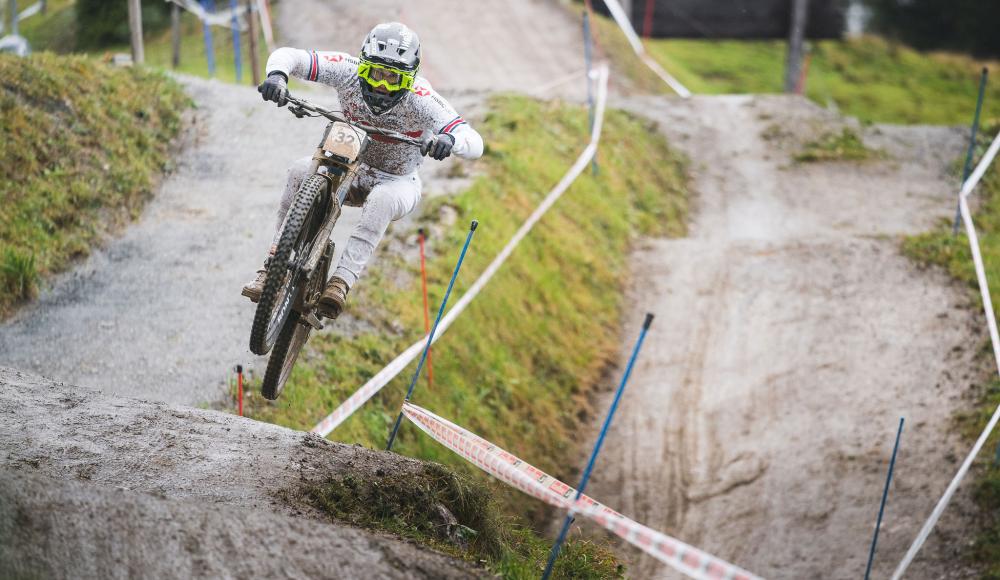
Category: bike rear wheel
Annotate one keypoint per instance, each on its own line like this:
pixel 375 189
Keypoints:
pixel 283 282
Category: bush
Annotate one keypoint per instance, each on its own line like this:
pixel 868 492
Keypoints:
pixel 967 25
pixel 104 23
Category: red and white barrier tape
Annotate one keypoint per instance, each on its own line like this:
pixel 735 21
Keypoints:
pixel 618 13
pixel 382 378
pixel 991 323
pixel 513 471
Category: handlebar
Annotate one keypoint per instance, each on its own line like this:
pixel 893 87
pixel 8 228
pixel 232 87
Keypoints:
pixel 302 108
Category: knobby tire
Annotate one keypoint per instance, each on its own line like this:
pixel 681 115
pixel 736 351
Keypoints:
pixel 280 285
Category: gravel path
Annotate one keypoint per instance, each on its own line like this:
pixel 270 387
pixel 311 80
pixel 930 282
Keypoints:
pixel 157 313
pixel 520 45
pixel 790 337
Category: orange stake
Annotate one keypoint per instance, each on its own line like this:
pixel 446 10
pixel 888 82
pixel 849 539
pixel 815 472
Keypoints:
pixel 239 387
pixel 427 312
pixel 800 87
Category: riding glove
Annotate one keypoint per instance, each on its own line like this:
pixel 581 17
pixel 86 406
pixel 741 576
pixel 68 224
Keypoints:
pixel 275 88
pixel 439 146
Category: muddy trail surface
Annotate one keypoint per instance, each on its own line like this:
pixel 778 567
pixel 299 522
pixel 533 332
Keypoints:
pixel 157 313
pixel 96 486
pixel 521 46
pixel 790 337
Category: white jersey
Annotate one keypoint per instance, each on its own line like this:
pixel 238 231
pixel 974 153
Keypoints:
pixel 420 110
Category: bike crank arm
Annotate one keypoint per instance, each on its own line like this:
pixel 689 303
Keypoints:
pixel 312 320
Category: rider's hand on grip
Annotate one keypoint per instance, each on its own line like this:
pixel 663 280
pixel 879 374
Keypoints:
pixel 437 146
pixel 275 88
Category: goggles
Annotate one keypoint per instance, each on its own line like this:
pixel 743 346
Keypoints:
pixel 380 75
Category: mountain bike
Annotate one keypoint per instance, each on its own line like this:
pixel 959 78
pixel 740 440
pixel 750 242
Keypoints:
pixel 296 274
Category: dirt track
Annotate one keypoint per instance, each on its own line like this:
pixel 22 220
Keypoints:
pixel 518 46
pixel 93 486
pixel 790 337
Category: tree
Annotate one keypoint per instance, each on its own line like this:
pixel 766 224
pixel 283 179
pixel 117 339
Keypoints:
pixel 102 23
pixel 966 25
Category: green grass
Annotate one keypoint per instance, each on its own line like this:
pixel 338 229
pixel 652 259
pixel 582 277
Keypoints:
pixel 80 147
pixel 55 31
pixel 194 56
pixel 843 146
pixel 519 367
pixel 868 78
pixel 940 248
pixel 410 506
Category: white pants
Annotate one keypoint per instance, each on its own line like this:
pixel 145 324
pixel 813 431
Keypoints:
pixel 383 197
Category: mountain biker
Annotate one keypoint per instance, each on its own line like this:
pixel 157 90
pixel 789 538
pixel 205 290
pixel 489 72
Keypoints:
pixel 379 88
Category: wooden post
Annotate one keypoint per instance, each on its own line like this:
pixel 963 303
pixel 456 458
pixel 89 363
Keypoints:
pixel 135 25
pixel 647 20
pixel 796 43
pixel 175 34
pixel 13 17
pixel 254 59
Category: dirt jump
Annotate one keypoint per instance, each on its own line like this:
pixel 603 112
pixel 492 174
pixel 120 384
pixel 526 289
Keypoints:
pixel 98 486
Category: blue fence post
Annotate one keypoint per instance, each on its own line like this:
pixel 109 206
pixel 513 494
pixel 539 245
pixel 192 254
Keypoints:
pixel 430 337
pixel 588 51
pixel 209 6
pixel 885 494
pixel 237 55
pixel 597 448
pixel 972 145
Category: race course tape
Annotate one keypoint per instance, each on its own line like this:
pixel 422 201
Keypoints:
pixel 513 471
pixel 382 378
pixel 618 13
pixel 991 322
pixel 222 18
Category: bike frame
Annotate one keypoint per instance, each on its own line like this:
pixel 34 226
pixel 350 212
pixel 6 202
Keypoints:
pixel 337 158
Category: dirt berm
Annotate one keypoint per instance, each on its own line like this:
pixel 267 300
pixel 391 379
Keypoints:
pixel 93 486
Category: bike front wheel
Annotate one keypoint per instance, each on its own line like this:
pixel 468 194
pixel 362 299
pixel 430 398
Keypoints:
pixel 286 350
pixel 283 282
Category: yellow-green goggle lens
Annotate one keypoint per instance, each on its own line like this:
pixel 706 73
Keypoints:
pixel 392 79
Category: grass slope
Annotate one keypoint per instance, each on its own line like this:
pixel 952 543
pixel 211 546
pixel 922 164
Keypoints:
pixel 940 248
pixel 519 366
pixel 80 146
pixel 868 78
pixel 56 31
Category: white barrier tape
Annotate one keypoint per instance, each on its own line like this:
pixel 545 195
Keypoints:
pixel 382 378
pixel 991 322
pixel 513 471
pixel 618 13
pixel 665 76
pixel 30 11
pixel 558 82
pixel 223 17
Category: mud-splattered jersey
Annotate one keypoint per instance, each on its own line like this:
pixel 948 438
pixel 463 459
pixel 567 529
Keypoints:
pixel 419 111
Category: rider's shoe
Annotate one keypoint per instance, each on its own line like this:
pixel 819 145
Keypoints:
pixel 255 287
pixel 334 297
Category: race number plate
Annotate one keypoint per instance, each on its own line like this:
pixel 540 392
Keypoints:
pixel 344 141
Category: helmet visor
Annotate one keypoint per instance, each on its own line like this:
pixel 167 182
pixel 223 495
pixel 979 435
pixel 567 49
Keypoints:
pixel 380 75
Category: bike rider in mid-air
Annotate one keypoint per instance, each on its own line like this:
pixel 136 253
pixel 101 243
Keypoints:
pixel 379 88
